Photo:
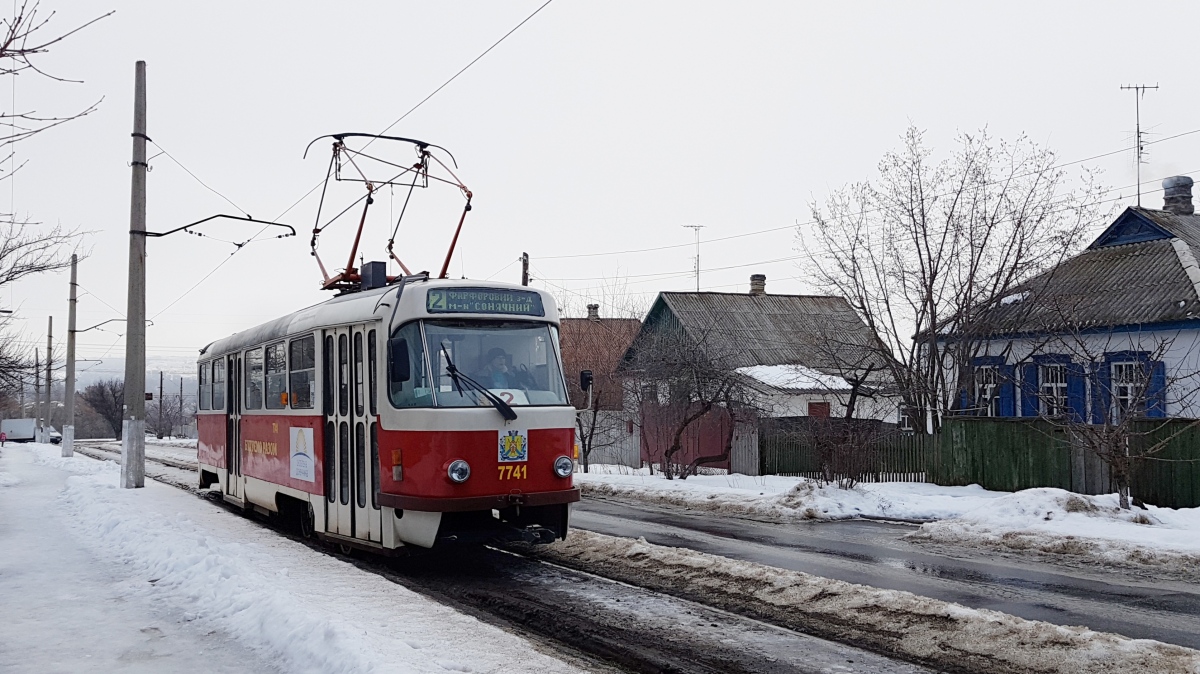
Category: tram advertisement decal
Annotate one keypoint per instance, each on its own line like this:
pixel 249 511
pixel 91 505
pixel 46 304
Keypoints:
pixel 514 446
pixel 484 301
pixel 303 466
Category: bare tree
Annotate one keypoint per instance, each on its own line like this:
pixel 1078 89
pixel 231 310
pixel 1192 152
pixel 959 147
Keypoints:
pixel 107 398
pixel 917 250
pixel 27 249
pixel 679 383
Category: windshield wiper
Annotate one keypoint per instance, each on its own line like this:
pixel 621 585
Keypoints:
pixel 459 379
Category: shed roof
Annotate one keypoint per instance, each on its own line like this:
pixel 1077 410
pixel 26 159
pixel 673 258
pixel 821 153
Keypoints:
pixel 819 331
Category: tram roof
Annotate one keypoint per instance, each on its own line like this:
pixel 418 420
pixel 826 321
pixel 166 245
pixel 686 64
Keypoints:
pixel 362 307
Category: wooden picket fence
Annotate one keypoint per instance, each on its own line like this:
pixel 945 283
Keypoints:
pixel 999 454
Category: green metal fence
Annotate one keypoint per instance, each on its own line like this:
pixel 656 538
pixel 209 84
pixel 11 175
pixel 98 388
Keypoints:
pixel 1003 455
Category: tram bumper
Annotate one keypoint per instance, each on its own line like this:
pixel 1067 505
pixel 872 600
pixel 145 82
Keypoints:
pixel 479 503
pixel 536 517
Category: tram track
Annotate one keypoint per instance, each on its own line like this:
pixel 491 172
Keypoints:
pixel 597 623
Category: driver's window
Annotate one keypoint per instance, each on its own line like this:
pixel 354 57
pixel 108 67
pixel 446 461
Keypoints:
pixel 415 391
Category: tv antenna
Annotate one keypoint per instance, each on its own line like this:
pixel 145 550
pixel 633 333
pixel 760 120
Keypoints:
pixel 1139 91
pixel 696 229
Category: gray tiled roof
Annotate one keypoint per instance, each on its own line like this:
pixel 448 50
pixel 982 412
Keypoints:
pixel 1109 284
pixel 811 330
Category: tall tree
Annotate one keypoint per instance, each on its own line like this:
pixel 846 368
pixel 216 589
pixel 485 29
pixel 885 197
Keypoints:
pixel 107 398
pixel 919 248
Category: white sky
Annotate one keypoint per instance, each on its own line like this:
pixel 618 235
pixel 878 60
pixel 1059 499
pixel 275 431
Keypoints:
pixel 598 126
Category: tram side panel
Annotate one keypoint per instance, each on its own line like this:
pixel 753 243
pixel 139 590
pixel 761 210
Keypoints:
pixel 210 447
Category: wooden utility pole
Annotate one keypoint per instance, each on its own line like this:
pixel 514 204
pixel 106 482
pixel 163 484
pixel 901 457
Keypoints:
pixel 68 429
pixel 133 428
pixel 49 364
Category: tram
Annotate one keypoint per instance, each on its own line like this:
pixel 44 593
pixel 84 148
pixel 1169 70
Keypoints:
pixel 414 412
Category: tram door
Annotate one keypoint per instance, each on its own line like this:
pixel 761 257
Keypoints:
pixel 350 494
pixel 233 426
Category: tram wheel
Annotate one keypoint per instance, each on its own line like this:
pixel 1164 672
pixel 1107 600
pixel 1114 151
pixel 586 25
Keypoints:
pixel 345 549
pixel 306 522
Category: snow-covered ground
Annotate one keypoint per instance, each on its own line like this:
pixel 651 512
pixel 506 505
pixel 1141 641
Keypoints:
pixel 1060 522
pixel 774 497
pixel 1044 520
pixel 936 632
pixel 300 610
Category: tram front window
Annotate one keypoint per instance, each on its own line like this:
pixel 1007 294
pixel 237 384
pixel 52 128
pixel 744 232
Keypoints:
pixel 514 360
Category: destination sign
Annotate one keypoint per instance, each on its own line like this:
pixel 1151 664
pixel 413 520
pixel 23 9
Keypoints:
pixel 484 301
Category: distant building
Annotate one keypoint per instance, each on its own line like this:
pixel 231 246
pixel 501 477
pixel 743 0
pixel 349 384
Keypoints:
pixel 597 344
pixel 806 354
pixel 1112 331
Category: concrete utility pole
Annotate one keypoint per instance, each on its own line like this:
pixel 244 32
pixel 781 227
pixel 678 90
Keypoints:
pixel 158 431
pixel 49 364
pixel 133 428
pixel 68 429
pixel 37 393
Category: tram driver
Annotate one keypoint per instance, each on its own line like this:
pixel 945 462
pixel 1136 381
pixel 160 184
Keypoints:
pixel 496 373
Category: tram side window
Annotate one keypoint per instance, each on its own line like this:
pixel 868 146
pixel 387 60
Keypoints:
pixel 205 387
pixel 372 366
pixel 276 377
pixel 254 379
pixel 406 356
pixel 303 372
pixel 218 384
pixel 358 373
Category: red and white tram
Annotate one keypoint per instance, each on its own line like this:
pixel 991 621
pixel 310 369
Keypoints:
pixel 422 411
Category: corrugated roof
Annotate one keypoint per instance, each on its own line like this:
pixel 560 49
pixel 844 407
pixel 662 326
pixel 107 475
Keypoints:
pixel 812 330
pixel 1108 284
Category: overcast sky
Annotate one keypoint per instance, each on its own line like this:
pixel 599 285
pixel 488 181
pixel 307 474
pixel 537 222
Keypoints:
pixel 596 127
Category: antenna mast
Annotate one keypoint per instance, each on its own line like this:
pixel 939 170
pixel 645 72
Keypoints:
pixel 696 229
pixel 1139 91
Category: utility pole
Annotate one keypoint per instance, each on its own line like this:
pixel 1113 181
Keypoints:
pixel 49 363
pixel 180 405
pixel 158 431
pixel 524 269
pixel 68 429
pixel 696 229
pixel 1139 90
pixel 133 429
pixel 37 393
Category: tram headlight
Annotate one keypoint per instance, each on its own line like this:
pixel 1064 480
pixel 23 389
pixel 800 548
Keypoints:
pixel 564 466
pixel 458 471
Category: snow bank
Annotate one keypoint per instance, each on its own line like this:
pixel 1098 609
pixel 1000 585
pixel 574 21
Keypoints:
pixel 933 632
pixel 306 610
pixel 778 498
pixel 9 480
pixel 1060 522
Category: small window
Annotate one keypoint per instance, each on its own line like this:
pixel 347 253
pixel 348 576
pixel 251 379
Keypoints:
pixel 328 384
pixel 1053 390
pixel 360 465
pixel 218 384
pixel 344 462
pixel 358 374
pixel 371 369
pixel 818 409
pixel 276 377
pixel 205 387
pixel 1129 389
pixel 254 379
pixel 987 390
pixel 343 377
pixel 303 372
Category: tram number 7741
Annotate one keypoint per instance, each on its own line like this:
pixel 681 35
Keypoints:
pixel 510 472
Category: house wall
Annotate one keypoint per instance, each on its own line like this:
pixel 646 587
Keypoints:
pixel 1177 349
pixel 881 408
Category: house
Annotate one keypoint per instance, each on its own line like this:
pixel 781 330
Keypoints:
pixel 605 430
pixel 1110 332
pixel 798 355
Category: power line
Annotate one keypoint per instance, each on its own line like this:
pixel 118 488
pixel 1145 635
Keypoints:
pixel 197 178
pixel 812 222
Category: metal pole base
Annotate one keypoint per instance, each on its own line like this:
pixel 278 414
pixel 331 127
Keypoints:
pixel 133 454
pixel 68 441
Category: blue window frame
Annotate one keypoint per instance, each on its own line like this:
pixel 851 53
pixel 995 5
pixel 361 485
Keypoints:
pixel 992 393
pixel 1053 386
pixel 1128 382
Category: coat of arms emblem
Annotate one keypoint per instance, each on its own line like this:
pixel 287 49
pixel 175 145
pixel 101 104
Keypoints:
pixel 514 446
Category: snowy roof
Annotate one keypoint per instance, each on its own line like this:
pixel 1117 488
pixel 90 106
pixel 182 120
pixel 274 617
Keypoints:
pixel 794 378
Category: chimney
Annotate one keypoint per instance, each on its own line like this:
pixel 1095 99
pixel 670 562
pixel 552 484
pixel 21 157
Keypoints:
pixel 1177 195
pixel 758 284
pixel 593 312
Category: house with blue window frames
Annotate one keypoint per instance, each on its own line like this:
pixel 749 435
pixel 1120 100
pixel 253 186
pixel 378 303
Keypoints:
pixel 1110 332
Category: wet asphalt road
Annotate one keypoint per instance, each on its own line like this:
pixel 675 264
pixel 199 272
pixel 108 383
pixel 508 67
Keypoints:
pixel 875 554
